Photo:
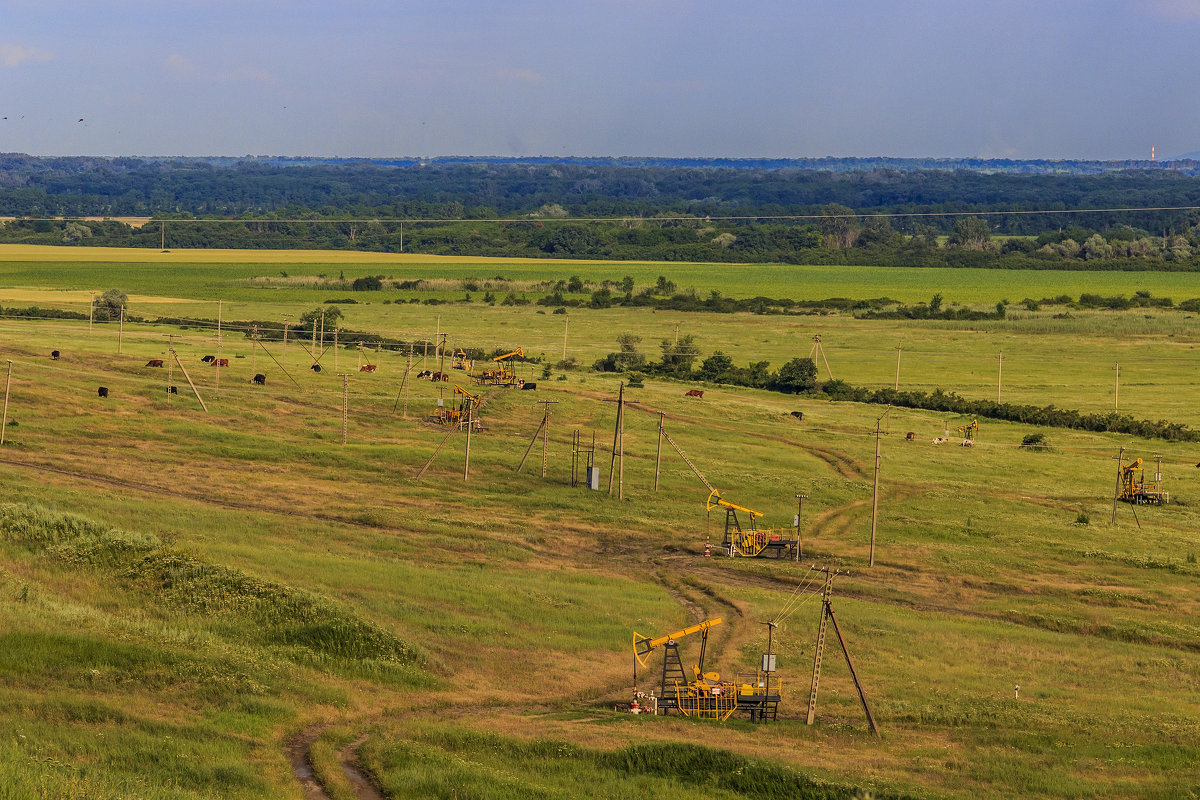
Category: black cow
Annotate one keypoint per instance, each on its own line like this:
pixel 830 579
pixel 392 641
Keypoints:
pixel 797 414
pixel 209 359
pixel 172 390
pixel 102 391
pixel 315 367
pixel 260 379
pixel 528 385
pixel 54 355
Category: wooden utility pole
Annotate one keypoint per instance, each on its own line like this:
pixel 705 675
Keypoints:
pixel 542 431
pixel 1117 491
pixel 91 312
pixel 621 452
pixel 612 464
pixel 254 350
pixel 313 352
pixel 162 236
pixel 818 351
pixel 658 453
pixel 827 614
pixel 323 330
pixel 1117 387
pixel 121 330
pixel 899 347
pixel 286 325
pixel 769 659
pixel 345 405
pixel 999 375
pixel 189 380
pixel 467 455
pixel 335 349
pixel 800 498
pixel 217 363
pixel 4 420
pixel 442 350
pixel 170 365
pixel 875 490
pixel 360 356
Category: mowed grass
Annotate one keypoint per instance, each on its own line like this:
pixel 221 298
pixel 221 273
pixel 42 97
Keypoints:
pixel 188 590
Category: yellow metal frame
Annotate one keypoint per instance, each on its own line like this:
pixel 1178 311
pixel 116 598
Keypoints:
pixel 714 500
pixel 644 645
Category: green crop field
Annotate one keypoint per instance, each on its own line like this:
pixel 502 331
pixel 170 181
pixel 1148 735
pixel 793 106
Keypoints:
pixel 234 603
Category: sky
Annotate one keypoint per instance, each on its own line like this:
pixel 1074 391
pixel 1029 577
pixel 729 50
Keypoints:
pixel 1087 79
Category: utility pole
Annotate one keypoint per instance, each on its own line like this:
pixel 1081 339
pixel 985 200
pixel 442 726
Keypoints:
pixel 818 351
pixel 612 465
pixel 467 456
pixel 335 349
pixel 442 350
pixel 170 365
pixel 899 347
pixel 162 235
pixel 1117 491
pixel 286 325
pixel 360 356
pixel 658 453
pixel 875 491
pixel 1117 388
pixel 254 350
pixel 313 353
pixel 218 361
pixel 800 498
pixel 91 312
pixel 999 375
pixel 4 420
pixel 827 614
pixel 768 664
pixel 121 330
pixel 345 405
pixel 323 330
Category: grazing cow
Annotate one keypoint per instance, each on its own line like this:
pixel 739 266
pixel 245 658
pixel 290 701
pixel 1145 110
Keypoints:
pixel 154 362
pixel 315 367
pixel 102 391
pixel 798 414
pixel 439 376
pixel 695 393
pixel 940 440
pixel 910 436
pixel 528 385
pixel 967 443
pixel 54 355
pixel 260 379
pixel 220 362
pixel 425 373
pixel 209 359
pixel 172 390
pixel 367 368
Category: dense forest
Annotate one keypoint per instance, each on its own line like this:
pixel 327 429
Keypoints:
pixel 992 214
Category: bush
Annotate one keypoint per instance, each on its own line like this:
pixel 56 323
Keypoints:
pixel 369 283
pixel 1036 441
pixel 1082 518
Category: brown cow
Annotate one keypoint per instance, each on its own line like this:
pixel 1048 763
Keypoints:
pixel 154 362
pixel 911 436
pixel 695 393
pixel 367 368
pixel 220 362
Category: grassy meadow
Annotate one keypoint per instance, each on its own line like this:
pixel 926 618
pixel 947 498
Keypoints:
pixel 236 604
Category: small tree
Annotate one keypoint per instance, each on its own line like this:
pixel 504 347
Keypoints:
pixel 797 375
pixel 715 367
pixel 109 305
pixel 678 357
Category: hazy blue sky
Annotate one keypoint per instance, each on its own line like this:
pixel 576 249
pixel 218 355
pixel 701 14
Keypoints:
pixel 787 78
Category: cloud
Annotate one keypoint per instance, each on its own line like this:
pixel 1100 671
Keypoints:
pixel 14 55
pixel 184 67
pixel 1177 10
